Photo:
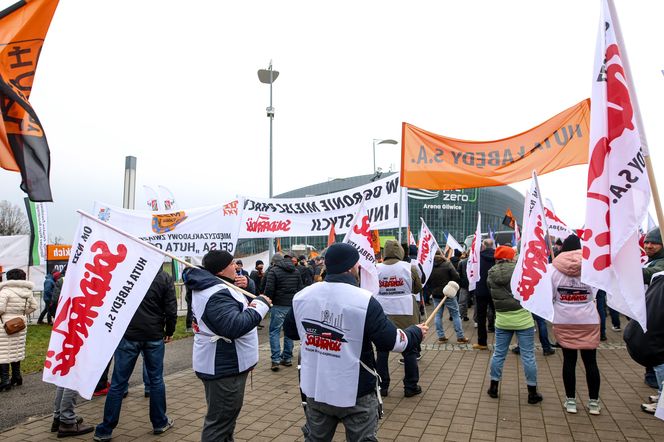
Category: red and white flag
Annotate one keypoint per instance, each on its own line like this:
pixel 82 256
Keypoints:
pixel 473 267
pixel 166 197
pixel 108 274
pixel 618 186
pixel 557 227
pixel 359 236
pixel 427 249
pixel 531 280
pixel 453 243
pixel 151 198
pixel 411 239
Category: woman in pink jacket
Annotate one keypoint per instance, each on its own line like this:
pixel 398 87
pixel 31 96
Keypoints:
pixel 575 323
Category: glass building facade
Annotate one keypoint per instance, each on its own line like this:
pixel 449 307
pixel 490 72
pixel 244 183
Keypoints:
pixel 453 211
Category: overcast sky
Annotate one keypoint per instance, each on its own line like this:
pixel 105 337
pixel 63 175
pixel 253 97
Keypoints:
pixel 174 83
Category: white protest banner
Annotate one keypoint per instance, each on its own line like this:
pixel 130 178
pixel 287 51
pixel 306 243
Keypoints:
pixel 531 280
pixel 556 226
pixel 313 216
pixel 427 249
pixel 108 274
pixel 618 191
pixel 37 218
pixel 411 239
pixel 453 243
pixel 473 267
pixel 187 232
pixel 359 236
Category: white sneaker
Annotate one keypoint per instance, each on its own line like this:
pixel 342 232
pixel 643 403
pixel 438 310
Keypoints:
pixel 570 405
pixel 593 406
pixel 653 399
pixel 615 329
pixel 475 324
pixel 649 408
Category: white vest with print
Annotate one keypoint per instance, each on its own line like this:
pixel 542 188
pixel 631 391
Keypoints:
pixel 330 320
pixel 396 286
pixel 205 341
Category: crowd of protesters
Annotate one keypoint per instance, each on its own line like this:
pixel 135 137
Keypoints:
pixel 289 290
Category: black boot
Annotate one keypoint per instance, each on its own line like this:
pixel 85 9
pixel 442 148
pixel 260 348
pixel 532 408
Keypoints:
pixel 533 396
pixel 493 389
pixel 5 383
pixel 16 379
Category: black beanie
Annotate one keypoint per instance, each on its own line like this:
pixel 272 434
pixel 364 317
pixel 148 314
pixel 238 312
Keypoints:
pixel 216 260
pixel 654 236
pixel 259 262
pixel 572 242
pixel 340 257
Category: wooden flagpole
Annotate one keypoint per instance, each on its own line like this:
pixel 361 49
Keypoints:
pixel 433 313
pixel 637 114
pixel 157 249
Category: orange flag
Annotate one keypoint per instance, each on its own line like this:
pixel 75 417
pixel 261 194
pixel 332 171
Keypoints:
pixel 332 237
pixel 375 241
pixel 23 145
pixel 430 161
pixel 278 245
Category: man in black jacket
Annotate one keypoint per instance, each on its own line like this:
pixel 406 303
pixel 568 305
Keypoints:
pixel 282 282
pixel 484 304
pixel 151 327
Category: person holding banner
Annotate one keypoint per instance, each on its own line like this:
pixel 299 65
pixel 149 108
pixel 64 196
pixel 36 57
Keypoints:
pixel 575 323
pixel 338 324
pixel 484 308
pixel 511 319
pixel 225 339
pixel 398 282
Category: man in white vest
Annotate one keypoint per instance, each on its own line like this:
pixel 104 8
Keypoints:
pixel 225 339
pixel 398 282
pixel 337 323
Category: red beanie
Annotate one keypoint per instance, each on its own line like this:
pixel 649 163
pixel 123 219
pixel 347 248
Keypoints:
pixel 504 252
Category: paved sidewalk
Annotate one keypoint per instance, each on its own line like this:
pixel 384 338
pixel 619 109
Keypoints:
pixel 454 405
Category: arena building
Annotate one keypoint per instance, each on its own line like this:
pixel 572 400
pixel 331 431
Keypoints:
pixel 453 211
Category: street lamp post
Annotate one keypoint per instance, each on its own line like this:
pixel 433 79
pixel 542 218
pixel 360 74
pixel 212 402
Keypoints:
pixel 269 76
pixel 377 141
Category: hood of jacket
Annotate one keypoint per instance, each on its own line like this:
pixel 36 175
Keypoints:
pixel 20 287
pixel 393 250
pixel 287 265
pixel 487 255
pixel 196 278
pixel 568 263
pixel 438 260
pixel 501 273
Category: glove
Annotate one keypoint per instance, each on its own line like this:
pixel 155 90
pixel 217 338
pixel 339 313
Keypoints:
pixel 451 289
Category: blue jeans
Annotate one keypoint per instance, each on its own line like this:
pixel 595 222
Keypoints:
pixel 543 332
pixel 453 308
pixel 601 309
pixel 125 360
pixel 526 340
pixel 659 372
pixel 277 315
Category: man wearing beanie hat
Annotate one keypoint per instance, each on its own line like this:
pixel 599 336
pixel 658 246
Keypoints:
pixel 653 247
pixel 337 323
pixel 225 340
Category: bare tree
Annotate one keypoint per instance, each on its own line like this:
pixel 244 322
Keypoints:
pixel 13 220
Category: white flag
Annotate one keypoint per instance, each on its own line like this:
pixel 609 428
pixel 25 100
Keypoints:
pixel 556 226
pixel 453 243
pixel 167 199
pixel 151 198
pixel 411 239
pixel 359 236
pixel 427 249
pixel 531 280
pixel 473 268
pixel 618 187
pixel 108 274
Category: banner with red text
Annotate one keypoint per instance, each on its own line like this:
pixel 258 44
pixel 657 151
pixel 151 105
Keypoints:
pixel 313 216
pixel 359 236
pixel 186 232
pixel 473 266
pixel 531 280
pixel 108 274
pixel 427 249
pixel 436 162
pixel 618 191
pixel 557 227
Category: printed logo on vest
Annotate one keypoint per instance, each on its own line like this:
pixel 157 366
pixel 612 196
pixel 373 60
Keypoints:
pixel 325 335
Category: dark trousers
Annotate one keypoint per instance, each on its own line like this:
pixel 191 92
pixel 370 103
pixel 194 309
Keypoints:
pixel 601 309
pixel 615 317
pixel 224 399
pixel 483 304
pixel 411 370
pixel 46 312
pixel 589 358
pixel 543 333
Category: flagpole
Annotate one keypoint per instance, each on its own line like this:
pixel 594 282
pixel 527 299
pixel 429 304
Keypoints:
pixel 157 249
pixel 637 114
pixel 546 227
